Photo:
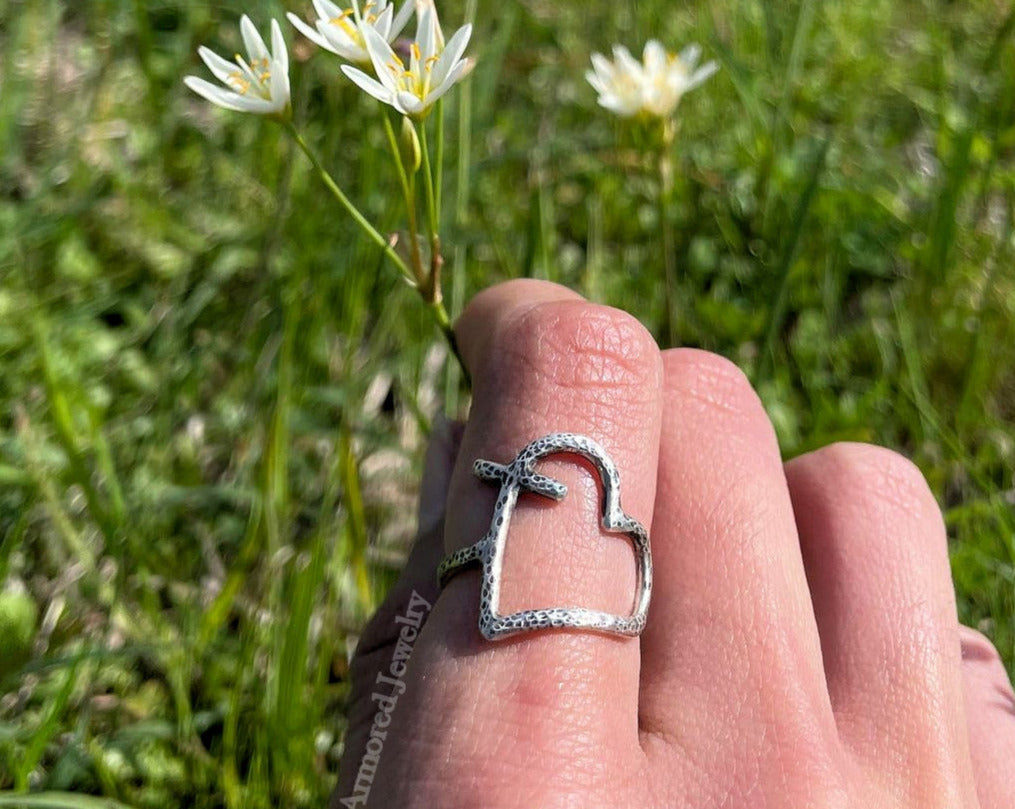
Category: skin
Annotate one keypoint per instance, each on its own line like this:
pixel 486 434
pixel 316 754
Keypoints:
pixel 802 647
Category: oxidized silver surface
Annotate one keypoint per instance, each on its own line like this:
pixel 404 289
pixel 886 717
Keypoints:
pixel 517 477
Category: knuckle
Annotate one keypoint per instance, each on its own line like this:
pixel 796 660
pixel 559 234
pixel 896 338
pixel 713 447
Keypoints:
pixel 977 648
pixel 717 385
pixel 582 346
pixel 876 474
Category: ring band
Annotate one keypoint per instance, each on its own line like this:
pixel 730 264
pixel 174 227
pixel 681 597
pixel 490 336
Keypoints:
pixel 517 477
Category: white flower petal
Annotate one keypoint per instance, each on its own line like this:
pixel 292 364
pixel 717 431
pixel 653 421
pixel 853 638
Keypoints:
pixel 469 63
pixel 654 55
pixel 404 13
pixel 457 73
pixel 594 79
pixel 279 51
pixel 452 54
pixel 626 62
pixel 427 32
pixel 408 103
pixel 383 58
pixel 308 32
pixel 603 66
pixel 279 91
pixel 217 95
pixel 327 10
pixel 261 106
pixel 342 42
pixel 368 84
pixel 351 52
pixel 220 68
pixel 660 104
pixel 706 71
pixel 256 49
pixel 690 55
pixel 382 25
pixel 618 105
pixel 204 88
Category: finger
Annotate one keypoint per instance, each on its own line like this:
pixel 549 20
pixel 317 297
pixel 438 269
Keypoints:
pixel 439 463
pixel 415 586
pixel 731 677
pixel 548 704
pixel 874 546
pixel 990 713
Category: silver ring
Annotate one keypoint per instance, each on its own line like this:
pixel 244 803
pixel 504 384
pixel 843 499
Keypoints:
pixel 517 477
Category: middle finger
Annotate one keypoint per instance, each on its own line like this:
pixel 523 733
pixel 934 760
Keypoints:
pixel 731 660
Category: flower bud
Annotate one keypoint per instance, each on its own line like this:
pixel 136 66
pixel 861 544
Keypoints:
pixel 411 155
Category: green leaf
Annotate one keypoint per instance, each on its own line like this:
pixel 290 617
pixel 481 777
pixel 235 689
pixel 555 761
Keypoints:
pixel 58 800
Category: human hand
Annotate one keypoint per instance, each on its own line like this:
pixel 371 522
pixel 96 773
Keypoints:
pixel 802 646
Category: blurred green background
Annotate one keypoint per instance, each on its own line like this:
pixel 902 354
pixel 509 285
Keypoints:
pixel 214 393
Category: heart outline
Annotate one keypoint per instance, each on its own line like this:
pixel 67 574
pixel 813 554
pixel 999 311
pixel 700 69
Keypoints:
pixel 519 476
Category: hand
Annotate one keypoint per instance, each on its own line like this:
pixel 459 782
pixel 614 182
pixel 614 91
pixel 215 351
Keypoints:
pixel 802 647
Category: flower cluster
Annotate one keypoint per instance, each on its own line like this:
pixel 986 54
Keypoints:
pixel 652 87
pixel 362 36
pixel 412 77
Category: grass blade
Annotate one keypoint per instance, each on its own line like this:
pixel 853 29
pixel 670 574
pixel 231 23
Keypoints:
pixel 58 800
pixel 784 269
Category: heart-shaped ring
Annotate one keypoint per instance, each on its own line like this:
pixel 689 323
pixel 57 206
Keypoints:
pixel 520 476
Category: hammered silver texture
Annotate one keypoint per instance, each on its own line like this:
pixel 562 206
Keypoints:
pixel 520 476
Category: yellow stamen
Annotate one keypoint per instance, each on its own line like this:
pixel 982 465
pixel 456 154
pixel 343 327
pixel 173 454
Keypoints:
pixel 350 30
pixel 241 84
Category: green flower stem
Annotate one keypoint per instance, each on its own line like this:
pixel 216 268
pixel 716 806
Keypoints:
pixel 665 168
pixel 431 201
pixel 346 203
pixel 436 260
pixel 449 333
pixel 396 152
pixel 416 272
pixel 439 156
pixel 409 193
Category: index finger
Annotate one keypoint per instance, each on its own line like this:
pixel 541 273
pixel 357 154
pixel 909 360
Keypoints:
pixel 543 361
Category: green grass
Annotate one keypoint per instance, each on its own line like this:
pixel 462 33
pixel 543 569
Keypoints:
pixel 214 392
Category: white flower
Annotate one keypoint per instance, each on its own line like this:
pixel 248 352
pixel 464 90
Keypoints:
pixel 258 84
pixel 653 86
pixel 341 31
pixel 434 68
